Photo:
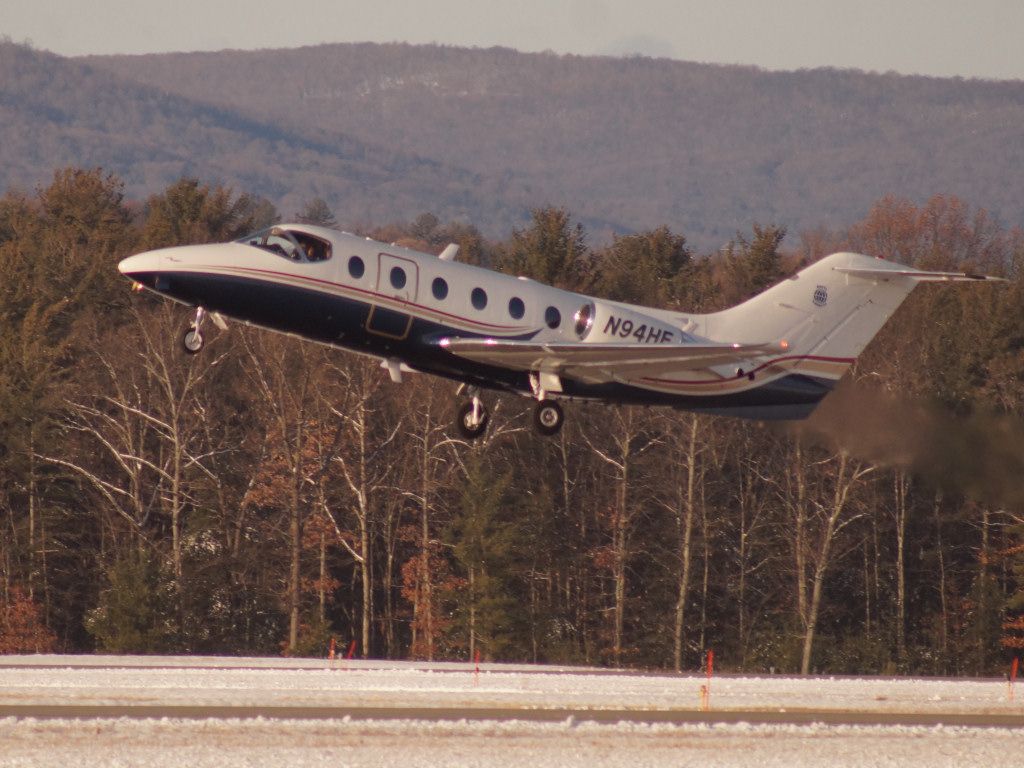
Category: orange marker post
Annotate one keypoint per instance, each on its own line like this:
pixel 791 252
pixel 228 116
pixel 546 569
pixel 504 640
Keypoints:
pixel 1013 676
pixel 711 667
pixel 351 650
pixel 331 651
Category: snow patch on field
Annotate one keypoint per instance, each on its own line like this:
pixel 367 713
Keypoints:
pixel 411 743
pixel 425 687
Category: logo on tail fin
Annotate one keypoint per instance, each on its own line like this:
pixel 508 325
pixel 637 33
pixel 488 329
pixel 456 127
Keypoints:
pixel 821 296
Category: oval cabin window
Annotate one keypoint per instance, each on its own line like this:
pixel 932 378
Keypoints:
pixel 516 308
pixel 356 268
pixel 439 288
pixel 398 278
pixel 552 317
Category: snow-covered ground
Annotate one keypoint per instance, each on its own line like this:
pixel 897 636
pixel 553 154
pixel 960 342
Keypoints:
pixel 488 745
pixel 28 741
pixel 347 683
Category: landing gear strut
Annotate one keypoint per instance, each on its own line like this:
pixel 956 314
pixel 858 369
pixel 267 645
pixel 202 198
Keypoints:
pixel 192 341
pixel 548 417
pixel 472 419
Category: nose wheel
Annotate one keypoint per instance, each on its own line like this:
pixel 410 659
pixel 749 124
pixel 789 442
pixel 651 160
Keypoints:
pixel 192 341
pixel 548 418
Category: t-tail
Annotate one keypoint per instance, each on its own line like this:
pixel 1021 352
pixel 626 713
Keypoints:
pixel 824 316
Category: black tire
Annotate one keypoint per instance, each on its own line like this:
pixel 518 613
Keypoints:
pixel 192 341
pixel 548 418
pixel 464 421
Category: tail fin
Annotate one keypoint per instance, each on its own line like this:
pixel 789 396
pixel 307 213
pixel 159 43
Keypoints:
pixel 827 313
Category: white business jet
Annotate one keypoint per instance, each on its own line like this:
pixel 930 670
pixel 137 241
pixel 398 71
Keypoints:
pixel 772 357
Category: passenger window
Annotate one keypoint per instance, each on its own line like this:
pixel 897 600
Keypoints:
pixel 479 298
pixel 439 288
pixel 398 278
pixel 516 308
pixel 356 268
pixel 552 317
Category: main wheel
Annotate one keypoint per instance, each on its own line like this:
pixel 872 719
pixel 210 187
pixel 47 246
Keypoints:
pixel 468 426
pixel 192 341
pixel 548 418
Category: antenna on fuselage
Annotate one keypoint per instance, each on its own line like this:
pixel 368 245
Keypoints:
pixel 449 253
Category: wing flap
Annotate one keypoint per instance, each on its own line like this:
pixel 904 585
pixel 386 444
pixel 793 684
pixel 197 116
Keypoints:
pixel 603 362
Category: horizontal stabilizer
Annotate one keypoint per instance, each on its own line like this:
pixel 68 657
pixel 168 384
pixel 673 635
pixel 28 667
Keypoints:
pixel 923 276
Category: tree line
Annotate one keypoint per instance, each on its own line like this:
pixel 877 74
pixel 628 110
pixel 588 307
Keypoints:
pixel 269 495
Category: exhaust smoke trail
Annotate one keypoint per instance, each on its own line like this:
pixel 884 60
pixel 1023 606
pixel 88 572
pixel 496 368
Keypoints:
pixel 979 455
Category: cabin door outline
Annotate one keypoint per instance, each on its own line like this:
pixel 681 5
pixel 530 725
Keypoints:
pixel 389 320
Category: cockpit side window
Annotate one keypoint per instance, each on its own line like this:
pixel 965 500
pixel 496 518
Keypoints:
pixel 314 248
pixel 294 246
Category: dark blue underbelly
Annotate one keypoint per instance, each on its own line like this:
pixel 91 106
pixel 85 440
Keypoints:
pixel 363 327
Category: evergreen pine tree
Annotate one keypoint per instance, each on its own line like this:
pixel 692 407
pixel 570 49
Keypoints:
pixel 317 213
pixel 485 539
pixel 132 615
pixel 552 250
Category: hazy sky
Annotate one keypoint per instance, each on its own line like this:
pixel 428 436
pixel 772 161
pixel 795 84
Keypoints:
pixel 980 38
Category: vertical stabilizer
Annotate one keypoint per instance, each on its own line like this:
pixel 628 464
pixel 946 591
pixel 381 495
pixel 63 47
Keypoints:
pixel 827 313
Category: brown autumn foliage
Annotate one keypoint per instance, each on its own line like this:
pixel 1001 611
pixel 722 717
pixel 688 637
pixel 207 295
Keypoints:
pixel 22 629
pixel 288 451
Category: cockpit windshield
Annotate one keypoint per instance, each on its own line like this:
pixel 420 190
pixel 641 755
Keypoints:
pixel 289 244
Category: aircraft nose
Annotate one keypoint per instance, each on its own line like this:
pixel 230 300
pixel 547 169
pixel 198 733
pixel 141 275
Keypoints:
pixel 139 264
pixel 143 270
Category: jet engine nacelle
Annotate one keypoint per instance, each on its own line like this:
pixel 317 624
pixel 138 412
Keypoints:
pixel 599 321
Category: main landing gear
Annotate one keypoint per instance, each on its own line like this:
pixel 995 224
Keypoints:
pixel 472 418
pixel 548 418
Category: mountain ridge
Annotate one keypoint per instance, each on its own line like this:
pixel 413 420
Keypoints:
pixel 56 111
pixel 483 135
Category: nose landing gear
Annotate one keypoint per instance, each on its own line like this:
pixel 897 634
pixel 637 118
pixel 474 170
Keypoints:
pixel 192 341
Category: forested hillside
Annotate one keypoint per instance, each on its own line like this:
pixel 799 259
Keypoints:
pixel 56 111
pixel 383 132
pixel 632 144
pixel 268 494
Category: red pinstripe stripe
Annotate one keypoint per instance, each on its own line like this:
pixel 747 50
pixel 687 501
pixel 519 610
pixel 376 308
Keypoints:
pixel 371 294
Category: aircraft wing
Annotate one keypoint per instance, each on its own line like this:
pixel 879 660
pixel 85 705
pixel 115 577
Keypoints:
pixel 599 362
